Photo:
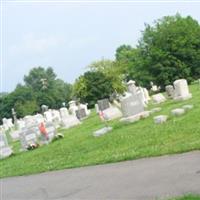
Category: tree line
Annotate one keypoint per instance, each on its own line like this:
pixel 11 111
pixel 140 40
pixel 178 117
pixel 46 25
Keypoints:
pixel 168 49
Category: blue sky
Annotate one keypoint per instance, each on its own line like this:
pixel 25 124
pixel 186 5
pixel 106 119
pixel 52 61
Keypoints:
pixel 68 37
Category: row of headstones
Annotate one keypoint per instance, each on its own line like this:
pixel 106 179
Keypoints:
pixel 132 104
pixel 80 111
pixel 178 91
pixel 63 117
pixel 28 128
pixel 160 119
pixel 30 137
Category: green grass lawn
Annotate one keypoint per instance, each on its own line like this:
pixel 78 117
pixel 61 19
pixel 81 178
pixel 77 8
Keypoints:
pixel 124 142
pixel 187 197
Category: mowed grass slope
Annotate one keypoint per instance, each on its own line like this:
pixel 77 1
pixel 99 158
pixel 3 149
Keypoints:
pixel 124 142
pixel 187 197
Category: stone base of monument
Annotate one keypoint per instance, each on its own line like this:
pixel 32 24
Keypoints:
pixel 157 109
pixel 178 112
pixel 112 113
pixel 5 152
pixel 136 117
pixel 102 131
pixel 70 121
pixel 182 98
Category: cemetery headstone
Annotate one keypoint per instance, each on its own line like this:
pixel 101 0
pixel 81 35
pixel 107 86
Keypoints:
pixel 64 112
pixel 146 94
pixel 181 90
pixel 48 116
pixel 56 118
pixel 51 131
pixel 132 105
pixel 73 107
pixel 97 108
pixel 5 150
pixel 84 106
pixel 28 137
pixel 103 104
pixel 68 120
pixel 102 131
pixel 187 107
pixel 158 98
pixel 178 111
pixel 170 91
pixel 81 113
pixel 140 93
pixel 160 119
pixel 112 113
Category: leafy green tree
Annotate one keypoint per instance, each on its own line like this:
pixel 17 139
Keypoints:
pixel 20 95
pixel 171 49
pixel 47 88
pixel 41 87
pixel 112 70
pixel 38 76
pixel 92 86
pixel 167 50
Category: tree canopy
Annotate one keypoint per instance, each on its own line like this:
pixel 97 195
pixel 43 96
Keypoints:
pixel 27 99
pixel 92 86
pixel 167 50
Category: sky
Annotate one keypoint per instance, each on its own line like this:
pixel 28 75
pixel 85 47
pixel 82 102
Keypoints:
pixel 69 36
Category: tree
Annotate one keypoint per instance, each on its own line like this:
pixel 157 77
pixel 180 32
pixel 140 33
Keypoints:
pixel 112 71
pixel 38 76
pixel 20 96
pixel 92 86
pixel 171 49
pixel 168 50
pixel 27 99
pixel 48 89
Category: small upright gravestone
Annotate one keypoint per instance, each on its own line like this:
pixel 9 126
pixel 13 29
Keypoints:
pixel 103 104
pixel 158 98
pixel 68 120
pixel 51 131
pixel 169 91
pixel 48 116
pixel 73 107
pixel 81 114
pixel 28 137
pixel 5 150
pixel 181 90
pixel 110 112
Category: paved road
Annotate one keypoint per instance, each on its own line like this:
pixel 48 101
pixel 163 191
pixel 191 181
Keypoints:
pixel 143 179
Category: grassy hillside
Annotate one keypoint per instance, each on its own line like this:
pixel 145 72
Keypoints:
pixel 187 197
pixel 125 142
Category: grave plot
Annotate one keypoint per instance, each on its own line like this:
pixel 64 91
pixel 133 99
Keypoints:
pixel 29 137
pixel 181 90
pixel 81 113
pixel 51 131
pixel 109 111
pixel 132 105
pixel 5 149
